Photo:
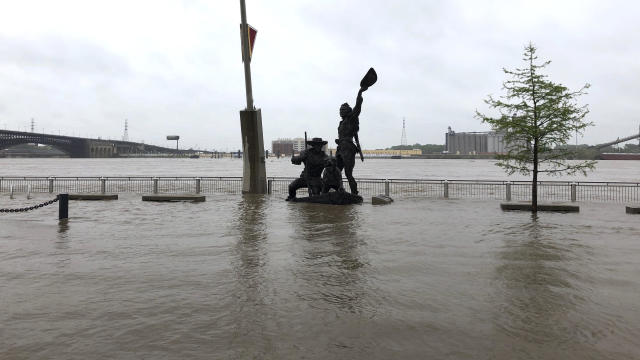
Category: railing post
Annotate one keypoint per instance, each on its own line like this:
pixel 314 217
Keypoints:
pixel 50 185
pixel 155 185
pixel 508 190
pixel 29 192
pixel 269 186
pixel 63 206
pixel 386 187
pixel 573 192
pixel 103 185
pixel 446 189
pixel 197 185
pixel 11 192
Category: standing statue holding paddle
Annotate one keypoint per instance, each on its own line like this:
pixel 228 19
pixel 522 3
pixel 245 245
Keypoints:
pixel 348 132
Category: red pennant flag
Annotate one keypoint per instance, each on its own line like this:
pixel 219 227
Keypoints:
pixel 252 39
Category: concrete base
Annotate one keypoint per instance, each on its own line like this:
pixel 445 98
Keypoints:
pixel 254 175
pixel 526 206
pixel 93 196
pixel 174 197
pixel 332 198
pixel 633 209
pixel 381 200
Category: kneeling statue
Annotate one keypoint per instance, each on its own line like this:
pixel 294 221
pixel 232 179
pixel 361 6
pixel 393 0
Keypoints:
pixel 314 162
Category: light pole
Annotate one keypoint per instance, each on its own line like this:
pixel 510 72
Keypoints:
pixel 245 55
pixel 254 178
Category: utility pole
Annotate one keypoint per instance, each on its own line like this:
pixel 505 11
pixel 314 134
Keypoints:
pixel 254 178
pixel 246 56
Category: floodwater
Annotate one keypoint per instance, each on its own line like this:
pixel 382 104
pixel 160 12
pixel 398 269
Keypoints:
pixel 254 277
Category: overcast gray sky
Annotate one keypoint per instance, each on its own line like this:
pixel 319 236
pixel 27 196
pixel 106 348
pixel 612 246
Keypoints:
pixel 174 67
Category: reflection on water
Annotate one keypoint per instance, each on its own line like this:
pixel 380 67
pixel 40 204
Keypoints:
pixel 250 311
pixel 538 290
pixel 62 244
pixel 330 260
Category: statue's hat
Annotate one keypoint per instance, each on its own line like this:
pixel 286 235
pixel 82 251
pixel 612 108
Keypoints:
pixel 316 141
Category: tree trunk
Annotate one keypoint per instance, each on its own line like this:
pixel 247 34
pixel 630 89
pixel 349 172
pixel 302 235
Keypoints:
pixel 534 182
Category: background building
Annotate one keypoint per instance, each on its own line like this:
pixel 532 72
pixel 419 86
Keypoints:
pixel 464 143
pixel 288 147
pixel 389 152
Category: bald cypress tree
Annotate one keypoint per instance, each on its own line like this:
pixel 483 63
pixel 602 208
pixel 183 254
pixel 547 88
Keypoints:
pixel 537 117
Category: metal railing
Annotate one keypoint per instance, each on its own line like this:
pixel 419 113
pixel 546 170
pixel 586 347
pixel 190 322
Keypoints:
pixel 453 189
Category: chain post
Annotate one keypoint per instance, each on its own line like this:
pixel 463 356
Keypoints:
pixel 508 191
pixel 50 185
pixel 198 185
pixel 155 185
pixel 11 193
pixel 269 186
pixel 573 192
pixel 103 185
pixel 29 192
pixel 63 206
pixel 386 187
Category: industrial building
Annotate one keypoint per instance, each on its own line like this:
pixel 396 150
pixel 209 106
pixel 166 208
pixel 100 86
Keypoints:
pixel 288 147
pixel 464 143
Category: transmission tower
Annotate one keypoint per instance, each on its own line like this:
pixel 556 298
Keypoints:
pixel 403 140
pixel 125 136
pixel 33 125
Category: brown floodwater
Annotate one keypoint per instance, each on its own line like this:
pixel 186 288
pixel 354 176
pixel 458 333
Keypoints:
pixel 254 277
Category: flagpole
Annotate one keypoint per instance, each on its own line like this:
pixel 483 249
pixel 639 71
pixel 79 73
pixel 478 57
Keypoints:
pixel 246 56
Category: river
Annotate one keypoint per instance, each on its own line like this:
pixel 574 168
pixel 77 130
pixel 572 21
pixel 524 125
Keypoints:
pixel 254 277
pixel 455 169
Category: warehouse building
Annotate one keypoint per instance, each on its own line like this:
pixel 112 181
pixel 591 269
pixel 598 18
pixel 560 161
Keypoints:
pixel 288 147
pixel 489 142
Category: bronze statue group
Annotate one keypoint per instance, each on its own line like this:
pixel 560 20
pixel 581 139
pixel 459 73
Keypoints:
pixel 323 172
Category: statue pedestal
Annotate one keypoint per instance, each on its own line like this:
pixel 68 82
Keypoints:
pixel 332 198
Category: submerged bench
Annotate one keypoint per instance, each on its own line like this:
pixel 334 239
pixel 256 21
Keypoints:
pixel 174 197
pixel 93 196
pixel 526 206
pixel 633 209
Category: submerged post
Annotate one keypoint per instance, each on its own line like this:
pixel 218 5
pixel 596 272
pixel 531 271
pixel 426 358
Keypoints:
pixel 446 189
pixel 50 185
pixel 508 191
pixel 197 185
pixel 254 178
pixel 103 185
pixel 155 185
pixel 386 187
pixel 573 192
pixel 63 206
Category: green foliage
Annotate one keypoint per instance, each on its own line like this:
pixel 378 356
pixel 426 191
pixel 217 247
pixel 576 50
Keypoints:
pixel 426 148
pixel 538 118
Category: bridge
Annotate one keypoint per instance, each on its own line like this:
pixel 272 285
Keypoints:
pixel 617 141
pixel 78 147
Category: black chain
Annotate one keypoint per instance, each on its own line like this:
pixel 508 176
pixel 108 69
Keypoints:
pixel 30 207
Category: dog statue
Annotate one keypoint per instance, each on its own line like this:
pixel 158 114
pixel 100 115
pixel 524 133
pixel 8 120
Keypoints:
pixel 331 176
